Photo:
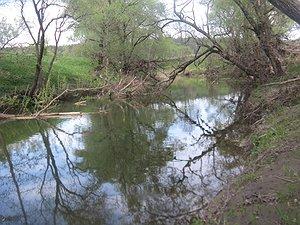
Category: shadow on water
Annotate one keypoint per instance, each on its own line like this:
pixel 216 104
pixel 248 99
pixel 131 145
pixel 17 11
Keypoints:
pixel 153 165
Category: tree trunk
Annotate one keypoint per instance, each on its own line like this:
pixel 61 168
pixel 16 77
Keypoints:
pixel 37 83
pixel 263 31
pixel 270 47
pixel 38 80
pixel 274 56
pixel 291 8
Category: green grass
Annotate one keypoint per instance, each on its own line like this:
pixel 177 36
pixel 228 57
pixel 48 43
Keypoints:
pixel 73 70
pixel 288 194
pixel 17 71
pixel 197 222
pixel 281 124
pixel 247 178
pixel 288 201
pixel 268 139
pixel 294 69
pixel 288 215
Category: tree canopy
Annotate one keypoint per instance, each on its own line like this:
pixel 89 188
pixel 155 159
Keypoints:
pixel 120 34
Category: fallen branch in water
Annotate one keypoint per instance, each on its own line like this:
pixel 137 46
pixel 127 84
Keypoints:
pixel 45 115
pixel 68 91
pixel 121 90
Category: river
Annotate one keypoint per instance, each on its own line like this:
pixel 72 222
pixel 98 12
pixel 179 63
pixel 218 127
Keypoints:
pixel 155 164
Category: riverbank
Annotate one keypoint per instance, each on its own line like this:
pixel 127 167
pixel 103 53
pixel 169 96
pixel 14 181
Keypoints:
pixel 72 78
pixel 267 192
pixel 17 69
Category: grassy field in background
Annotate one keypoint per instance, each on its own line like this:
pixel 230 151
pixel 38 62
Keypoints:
pixel 17 72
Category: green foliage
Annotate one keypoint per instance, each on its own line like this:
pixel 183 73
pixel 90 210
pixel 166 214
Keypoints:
pixel 7 32
pixel 197 222
pixel 228 17
pixel 246 178
pixel 119 34
pixel 281 124
pixel 248 30
pixel 21 104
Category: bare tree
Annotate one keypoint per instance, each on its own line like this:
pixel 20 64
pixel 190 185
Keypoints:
pixel 291 8
pixel 266 59
pixel 44 21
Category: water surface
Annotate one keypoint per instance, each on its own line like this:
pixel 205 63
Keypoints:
pixel 148 165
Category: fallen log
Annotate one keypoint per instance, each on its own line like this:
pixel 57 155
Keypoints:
pixel 46 115
pixel 68 91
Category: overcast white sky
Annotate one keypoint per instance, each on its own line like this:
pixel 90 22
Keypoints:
pixel 12 13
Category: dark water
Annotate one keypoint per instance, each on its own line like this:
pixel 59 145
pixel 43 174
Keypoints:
pixel 151 165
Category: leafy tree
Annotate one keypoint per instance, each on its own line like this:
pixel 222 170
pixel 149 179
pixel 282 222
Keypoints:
pixel 7 33
pixel 120 34
pixel 256 25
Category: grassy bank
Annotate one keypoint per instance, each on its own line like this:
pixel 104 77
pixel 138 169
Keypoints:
pixel 268 192
pixel 17 72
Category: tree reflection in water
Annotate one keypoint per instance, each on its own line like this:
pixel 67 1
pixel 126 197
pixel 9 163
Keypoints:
pixel 154 165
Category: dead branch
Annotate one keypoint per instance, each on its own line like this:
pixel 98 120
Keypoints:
pixel 64 93
pixel 283 82
pixel 45 115
pixel 128 84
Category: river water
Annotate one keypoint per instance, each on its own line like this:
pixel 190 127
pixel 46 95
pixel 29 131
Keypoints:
pixel 155 164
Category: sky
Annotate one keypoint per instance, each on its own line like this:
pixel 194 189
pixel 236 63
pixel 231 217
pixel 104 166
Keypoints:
pixel 12 13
